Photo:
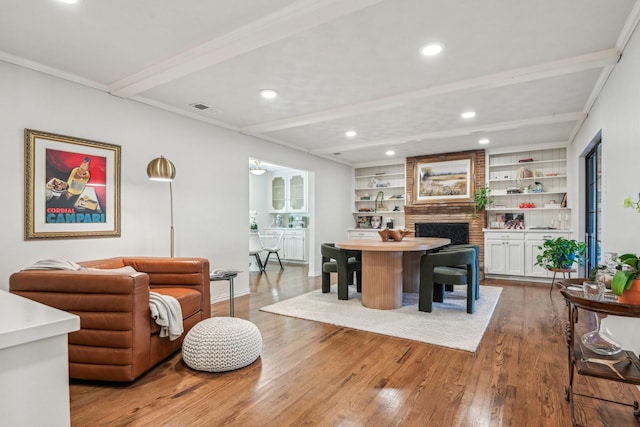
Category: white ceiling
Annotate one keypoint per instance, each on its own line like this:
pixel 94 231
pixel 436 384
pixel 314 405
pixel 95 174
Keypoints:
pixel 530 69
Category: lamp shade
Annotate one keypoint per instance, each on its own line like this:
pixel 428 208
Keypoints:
pixel 161 169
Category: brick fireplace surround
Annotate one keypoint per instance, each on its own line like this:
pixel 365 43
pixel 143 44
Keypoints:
pixel 447 211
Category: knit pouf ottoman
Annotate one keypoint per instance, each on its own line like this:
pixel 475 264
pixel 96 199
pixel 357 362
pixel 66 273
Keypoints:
pixel 221 344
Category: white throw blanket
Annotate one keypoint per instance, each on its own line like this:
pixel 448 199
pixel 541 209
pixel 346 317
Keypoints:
pixel 54 264
pixel 166 311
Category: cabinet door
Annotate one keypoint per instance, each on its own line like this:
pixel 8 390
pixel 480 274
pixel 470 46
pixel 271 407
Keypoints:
pixel 515 258
pixel 297 192
pixel 495 256
pixel 277 194
pixel 531 253
pixel 294 247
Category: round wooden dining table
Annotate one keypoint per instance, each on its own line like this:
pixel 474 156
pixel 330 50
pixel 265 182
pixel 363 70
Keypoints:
pixel 389 268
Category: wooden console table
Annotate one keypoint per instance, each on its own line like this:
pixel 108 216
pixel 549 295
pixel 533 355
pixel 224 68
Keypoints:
pixel 623 367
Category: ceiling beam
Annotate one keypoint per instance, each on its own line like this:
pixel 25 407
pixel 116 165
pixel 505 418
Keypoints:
pixel 450 133
pixel 505 78
pixel 293 19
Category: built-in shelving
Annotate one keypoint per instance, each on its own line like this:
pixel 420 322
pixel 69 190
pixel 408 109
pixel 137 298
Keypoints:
pixel 536 189
pixel 385 182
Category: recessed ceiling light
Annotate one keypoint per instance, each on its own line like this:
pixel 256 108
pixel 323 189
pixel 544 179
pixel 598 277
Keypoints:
pixel 351 133
pixel 468 114
pixel 432 49
pixel 268 93
pixel 68 1
pixel 390 152
pixel 483 141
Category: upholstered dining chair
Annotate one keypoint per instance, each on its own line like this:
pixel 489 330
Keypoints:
pixel 344 262
pixel 255 249
pixel 451 267
pixel 274 249
pixel 466 246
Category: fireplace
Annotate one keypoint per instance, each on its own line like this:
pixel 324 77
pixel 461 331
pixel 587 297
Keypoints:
pixel 458 232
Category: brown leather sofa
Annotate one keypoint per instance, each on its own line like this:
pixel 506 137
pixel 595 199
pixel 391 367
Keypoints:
pixel 118 340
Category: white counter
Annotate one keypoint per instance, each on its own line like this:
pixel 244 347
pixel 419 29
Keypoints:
pixel 34 372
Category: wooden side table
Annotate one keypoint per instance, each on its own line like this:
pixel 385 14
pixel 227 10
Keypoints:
pixel 622 367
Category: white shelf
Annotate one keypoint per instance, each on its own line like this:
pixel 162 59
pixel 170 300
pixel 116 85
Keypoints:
pixel 528 179
pixel 535 162
pixel 377 213
pixel 373 200
pixel 527 209
pixel 391 187
pixel 383 175
pixel 531 193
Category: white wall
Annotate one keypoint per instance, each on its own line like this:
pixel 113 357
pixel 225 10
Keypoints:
pixel 211 189
pixel 617 113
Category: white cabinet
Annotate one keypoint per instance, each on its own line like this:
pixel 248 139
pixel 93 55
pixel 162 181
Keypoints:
pixel 514 253
pixel 532 241
pixel 294 243
pixel 504 253
pixel 528 184
pixel 288 192
pixel 363 234
pixel 379 194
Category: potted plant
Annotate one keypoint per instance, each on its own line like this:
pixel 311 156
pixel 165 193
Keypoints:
pixel 481 199
pixel 561 253
pixel 626 281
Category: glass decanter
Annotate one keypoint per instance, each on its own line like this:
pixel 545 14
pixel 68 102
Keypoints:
pixel 601 340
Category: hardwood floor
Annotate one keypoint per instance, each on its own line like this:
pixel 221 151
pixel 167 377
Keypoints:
pixel 316 374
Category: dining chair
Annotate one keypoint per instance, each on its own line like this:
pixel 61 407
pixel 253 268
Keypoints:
pixel 452 267
pixel 466 246
pixel 274 249
pixel 346 264
pixel 255 248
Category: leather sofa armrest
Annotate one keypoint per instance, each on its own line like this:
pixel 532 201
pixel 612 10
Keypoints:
pixel 177 273
pixel 79 281
pixel 90 294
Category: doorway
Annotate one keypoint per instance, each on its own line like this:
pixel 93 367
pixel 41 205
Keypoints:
pixel 593 201
pixel 281 204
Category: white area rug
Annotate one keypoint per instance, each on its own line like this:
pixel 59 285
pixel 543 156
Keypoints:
pixel 448 325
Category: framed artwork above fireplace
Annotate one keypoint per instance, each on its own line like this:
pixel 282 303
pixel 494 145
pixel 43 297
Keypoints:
pixel 443 179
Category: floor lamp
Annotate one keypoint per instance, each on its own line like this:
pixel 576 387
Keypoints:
pixel 162 169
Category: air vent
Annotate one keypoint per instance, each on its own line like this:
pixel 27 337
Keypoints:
pixel 199 106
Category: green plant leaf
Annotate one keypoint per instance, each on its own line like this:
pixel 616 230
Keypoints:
pixel 622 280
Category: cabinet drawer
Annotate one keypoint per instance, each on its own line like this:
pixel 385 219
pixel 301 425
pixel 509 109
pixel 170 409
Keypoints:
pixel 504 236
pixel 545 236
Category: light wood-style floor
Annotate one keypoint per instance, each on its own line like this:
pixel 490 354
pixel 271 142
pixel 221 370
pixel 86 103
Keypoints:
pixel 316 374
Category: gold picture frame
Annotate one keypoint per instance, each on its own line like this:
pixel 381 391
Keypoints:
pixel 444 179
pixel 72 187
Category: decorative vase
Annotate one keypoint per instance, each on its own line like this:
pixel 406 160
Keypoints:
pixel 631 296
pixel 600 340
pixel 398 235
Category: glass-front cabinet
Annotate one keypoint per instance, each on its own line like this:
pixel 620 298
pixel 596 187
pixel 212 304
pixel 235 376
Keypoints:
pixel 288 192
pixel 297 193
pixel 278 200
